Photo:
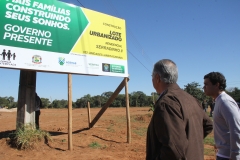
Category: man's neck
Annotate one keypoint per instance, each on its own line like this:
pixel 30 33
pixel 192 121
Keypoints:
pixel 217 94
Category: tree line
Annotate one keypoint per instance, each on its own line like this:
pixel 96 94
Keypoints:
pixel 136 99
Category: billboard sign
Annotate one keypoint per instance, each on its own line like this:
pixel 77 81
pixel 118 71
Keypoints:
pixel 53 36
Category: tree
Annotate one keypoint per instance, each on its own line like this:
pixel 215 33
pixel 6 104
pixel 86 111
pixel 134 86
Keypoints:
pixel 60 103
pixel 82 102
pixel 74 105
pixel 195 90
pixel 5 102
pixel 105 96
pixel 11 103
pixel 234 93
pixel 119 101
pixel 45 102
pixel 139 99
pixel 78 103
pixel 10 99
pixel 96 101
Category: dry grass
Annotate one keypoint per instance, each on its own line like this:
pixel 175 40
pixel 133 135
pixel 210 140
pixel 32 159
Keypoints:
pixel 26 137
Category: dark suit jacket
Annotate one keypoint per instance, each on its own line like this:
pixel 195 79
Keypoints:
pixel 178 127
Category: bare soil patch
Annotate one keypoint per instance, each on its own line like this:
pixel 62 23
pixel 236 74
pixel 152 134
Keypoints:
pixel 107 140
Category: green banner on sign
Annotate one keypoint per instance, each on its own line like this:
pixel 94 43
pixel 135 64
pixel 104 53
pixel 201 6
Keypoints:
pixel 47 25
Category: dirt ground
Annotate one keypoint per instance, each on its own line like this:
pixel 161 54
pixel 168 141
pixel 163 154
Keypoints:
pixel 107 140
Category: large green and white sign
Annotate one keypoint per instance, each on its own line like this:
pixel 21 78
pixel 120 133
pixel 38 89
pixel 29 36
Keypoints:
pixel 50 35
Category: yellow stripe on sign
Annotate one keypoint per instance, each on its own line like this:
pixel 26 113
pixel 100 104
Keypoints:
pixel 105 36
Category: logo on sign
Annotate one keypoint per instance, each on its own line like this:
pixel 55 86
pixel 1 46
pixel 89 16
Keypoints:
pixel 6 58
pixel 61 61
pixel 106 67
pixel 36 59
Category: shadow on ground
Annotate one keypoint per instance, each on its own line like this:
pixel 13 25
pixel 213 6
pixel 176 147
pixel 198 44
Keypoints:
pixel 105 139
pixel 5 134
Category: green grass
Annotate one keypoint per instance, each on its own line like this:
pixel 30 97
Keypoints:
pixel 26 137
pixel 110 128
pixel 119 119
pixel 140 131
pixel 141 118
pixel 209 151
pixel 209 141
pixel 95 145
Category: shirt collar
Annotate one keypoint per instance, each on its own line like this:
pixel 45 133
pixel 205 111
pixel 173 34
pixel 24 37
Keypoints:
pixel 161 95
pixel 219 95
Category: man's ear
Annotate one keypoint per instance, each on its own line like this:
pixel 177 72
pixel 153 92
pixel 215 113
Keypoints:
pixel 158 78
pixel 217 84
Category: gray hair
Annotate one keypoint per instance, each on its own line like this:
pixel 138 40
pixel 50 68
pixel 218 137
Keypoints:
pixel 167 70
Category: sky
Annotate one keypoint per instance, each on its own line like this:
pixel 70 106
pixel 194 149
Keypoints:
pixel 200 36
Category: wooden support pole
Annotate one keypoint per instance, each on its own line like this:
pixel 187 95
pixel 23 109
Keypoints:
pixel 110 100
pixel 127 111
pixel 70 145
pixel 89 115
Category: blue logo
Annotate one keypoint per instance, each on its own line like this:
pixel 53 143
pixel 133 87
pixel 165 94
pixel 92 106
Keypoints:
pixel 105 67
pixel 61 61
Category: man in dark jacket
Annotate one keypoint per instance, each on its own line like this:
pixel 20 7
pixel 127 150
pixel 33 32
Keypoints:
pixel 178 125
pixel 38 105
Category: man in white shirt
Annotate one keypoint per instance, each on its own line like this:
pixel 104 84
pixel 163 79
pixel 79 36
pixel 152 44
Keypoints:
pixel 226 119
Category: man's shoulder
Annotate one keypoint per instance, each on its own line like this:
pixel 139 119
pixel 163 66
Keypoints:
pixel 224 101
pixel 175 96
pixel 179 93
pixel 224 97
pixel 179 97
pixel 38 99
